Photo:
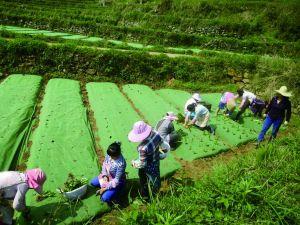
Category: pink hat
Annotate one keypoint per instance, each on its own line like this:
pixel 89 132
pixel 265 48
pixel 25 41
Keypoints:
pixel 139 132
pixel 35 179
pixel 171 116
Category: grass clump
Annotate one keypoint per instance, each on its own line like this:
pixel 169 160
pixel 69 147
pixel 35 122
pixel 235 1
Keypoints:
pixel 73 183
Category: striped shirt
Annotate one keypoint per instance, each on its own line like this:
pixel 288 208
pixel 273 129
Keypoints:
pixel 148 150
pixel 115 170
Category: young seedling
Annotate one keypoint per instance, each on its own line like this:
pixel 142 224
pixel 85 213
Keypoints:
pixel 72 183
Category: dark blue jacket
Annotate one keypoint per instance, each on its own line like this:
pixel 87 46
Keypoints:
pixel 281 110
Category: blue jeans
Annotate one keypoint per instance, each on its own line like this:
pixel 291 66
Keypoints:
pixel 109 194
pixel 267 124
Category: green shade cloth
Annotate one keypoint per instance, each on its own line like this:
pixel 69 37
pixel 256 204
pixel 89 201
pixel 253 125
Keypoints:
pixel 115 118
pixel 62 144
pixel 18 96
pixel 229 131
pixel 195 145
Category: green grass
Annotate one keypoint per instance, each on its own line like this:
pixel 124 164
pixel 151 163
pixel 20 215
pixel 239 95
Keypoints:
pixel 258 188
pixel 240 26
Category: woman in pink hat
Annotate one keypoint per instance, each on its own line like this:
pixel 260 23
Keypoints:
pixel 14 186
pixel 148 161
pixel 166 129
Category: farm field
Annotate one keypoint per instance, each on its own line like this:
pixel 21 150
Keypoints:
pixel 76 75
pixel 62 144
pixel 64 138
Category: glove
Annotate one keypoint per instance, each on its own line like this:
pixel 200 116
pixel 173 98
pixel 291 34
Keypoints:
pixel 286 122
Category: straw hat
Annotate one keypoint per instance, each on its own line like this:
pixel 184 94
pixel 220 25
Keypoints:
pixel 171 116
pixel 139 132
pixel 283 91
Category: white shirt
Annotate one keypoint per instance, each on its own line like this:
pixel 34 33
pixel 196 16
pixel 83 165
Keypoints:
pixel 248 95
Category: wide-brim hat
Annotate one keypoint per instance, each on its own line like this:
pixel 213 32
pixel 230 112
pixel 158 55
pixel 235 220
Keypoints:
pixel 283 91
pixel 171 116
pixel 139 132
pixel 197 97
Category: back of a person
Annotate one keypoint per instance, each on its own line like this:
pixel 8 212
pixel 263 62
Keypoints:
pixel 10 178
pixel 150 146
pixel 249 95
pixel 201 110
pixel 162 127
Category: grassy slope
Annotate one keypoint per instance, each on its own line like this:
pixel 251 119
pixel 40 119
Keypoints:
pixel 259 187
pixel 260 26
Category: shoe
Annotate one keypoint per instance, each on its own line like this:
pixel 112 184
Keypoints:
pixel 212 131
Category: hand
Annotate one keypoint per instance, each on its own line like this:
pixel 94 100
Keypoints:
pixel 98 192
pixel 286 123
pixel 102 190
pixel 264 115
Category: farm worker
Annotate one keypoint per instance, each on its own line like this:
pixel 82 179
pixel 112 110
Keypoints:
pixel 227 103
pixel 247 98
pixel 195 99
pixel 201 118
pixel 278 109
pixel 257 107
pixel 166 129
pixel 149 156
pixel 112 178
pixel 14 186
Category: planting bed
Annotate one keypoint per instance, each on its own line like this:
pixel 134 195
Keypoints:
pixel 18 96
pixel 228 130
pixel 195 145
pixel 115 118
pixel 62 144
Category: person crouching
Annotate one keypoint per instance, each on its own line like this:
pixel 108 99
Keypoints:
pixel 14 186
pixel 201 118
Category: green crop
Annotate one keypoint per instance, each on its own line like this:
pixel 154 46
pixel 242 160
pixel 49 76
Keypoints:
pixel 73 182
pixel 44 195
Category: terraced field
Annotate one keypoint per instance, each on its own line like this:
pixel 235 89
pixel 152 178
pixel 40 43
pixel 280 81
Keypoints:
pixel 63 141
